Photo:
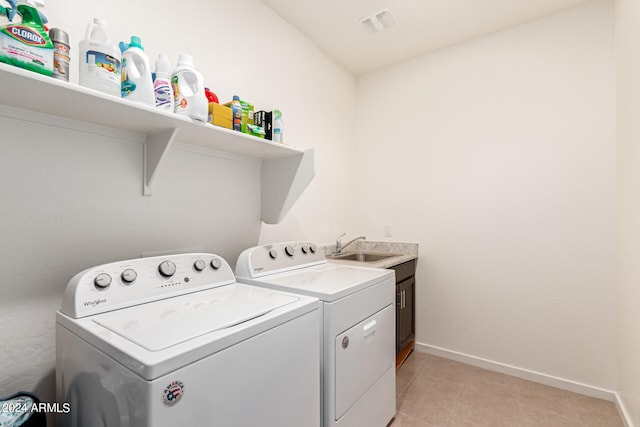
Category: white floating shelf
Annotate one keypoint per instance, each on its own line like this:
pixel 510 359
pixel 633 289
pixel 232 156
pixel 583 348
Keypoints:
pixel 35 92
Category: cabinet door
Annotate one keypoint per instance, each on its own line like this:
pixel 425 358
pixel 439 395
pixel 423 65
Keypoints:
pixel 405 270
pixel 405 313
pixel 399 317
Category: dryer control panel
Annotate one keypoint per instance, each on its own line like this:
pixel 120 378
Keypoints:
pixel 268 259
pixel 123 284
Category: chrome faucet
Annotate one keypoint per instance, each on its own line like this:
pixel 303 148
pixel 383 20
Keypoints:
pixel 340 247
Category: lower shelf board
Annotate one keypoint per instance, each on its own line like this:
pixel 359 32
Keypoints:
pixel 402 356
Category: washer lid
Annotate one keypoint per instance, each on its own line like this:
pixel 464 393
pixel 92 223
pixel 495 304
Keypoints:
pixel 327 282
pixel 159 325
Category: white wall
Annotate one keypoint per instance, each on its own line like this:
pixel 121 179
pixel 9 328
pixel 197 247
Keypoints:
pixel 498 157
pixel 628 245
pixel 244 48
pixel 72 199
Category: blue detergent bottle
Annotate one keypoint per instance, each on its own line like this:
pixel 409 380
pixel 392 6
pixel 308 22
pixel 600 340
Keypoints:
pixel 136 83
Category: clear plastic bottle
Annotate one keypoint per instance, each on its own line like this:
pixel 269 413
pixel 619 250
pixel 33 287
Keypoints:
pixel 278 134
pixel 99 62
pixel 188 90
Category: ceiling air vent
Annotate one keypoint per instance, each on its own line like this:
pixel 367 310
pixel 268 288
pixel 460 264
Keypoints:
pixel 379 21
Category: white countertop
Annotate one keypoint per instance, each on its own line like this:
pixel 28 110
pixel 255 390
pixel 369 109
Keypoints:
pixel 405 252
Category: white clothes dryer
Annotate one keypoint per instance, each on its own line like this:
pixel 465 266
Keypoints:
pixel 358 326
pixel 175 341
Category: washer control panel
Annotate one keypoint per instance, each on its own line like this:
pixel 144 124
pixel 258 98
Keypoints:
pixel 268 259
pixel 126 283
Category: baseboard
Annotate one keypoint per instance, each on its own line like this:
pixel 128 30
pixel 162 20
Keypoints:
pixel 514 371
pixel 622 410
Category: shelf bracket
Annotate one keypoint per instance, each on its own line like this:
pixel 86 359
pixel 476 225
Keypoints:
pixel 155 148
pixel 283 182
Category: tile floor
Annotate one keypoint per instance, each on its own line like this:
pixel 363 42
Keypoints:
pixel 432 391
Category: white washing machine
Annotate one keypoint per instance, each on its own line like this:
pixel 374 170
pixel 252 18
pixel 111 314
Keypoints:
pixel 358 326
pixel 175 341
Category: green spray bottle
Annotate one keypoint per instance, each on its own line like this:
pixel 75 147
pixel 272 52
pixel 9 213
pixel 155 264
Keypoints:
pixel 26 44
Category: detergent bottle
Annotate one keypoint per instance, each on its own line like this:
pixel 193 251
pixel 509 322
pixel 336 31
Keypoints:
pixel 162 84
pixel 137 84
pixel 26 44
pixel 99 60
pixel 188 90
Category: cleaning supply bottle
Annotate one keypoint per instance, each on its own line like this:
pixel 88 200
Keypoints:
pixel 278 135
pixel 99 62
pixel 9 12
pixel 162 84
pixel 188 90
pixel 61 56
pixel 26 44
pixel 137 84
pixel 236 113
pixel 212 98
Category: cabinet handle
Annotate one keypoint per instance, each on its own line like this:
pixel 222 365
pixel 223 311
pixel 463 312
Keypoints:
pixel 402 299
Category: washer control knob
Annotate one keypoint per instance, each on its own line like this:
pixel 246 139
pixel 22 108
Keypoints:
pixel 312 248
pixel 216 263
pixel 273 253
pixel 199 265
pixel 305 249
pixel 288 250
pixel 102 281
pixel 167 268
pixel 129 276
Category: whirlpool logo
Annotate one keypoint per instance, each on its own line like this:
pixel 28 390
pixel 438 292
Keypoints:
pixel 94 302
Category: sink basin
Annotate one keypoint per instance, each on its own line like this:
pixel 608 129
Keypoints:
pixel 361 256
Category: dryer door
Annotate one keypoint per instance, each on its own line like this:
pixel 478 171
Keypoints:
pixel 363 354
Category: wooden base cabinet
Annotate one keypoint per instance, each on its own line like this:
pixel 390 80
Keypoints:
pixel 405 309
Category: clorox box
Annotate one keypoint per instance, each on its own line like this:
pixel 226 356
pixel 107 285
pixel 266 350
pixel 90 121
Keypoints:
pixel 27 44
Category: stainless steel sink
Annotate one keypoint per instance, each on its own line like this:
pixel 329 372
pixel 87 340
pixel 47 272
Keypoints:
pixel 361 256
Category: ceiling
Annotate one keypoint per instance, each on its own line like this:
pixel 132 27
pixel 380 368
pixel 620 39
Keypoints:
pixel 422 25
